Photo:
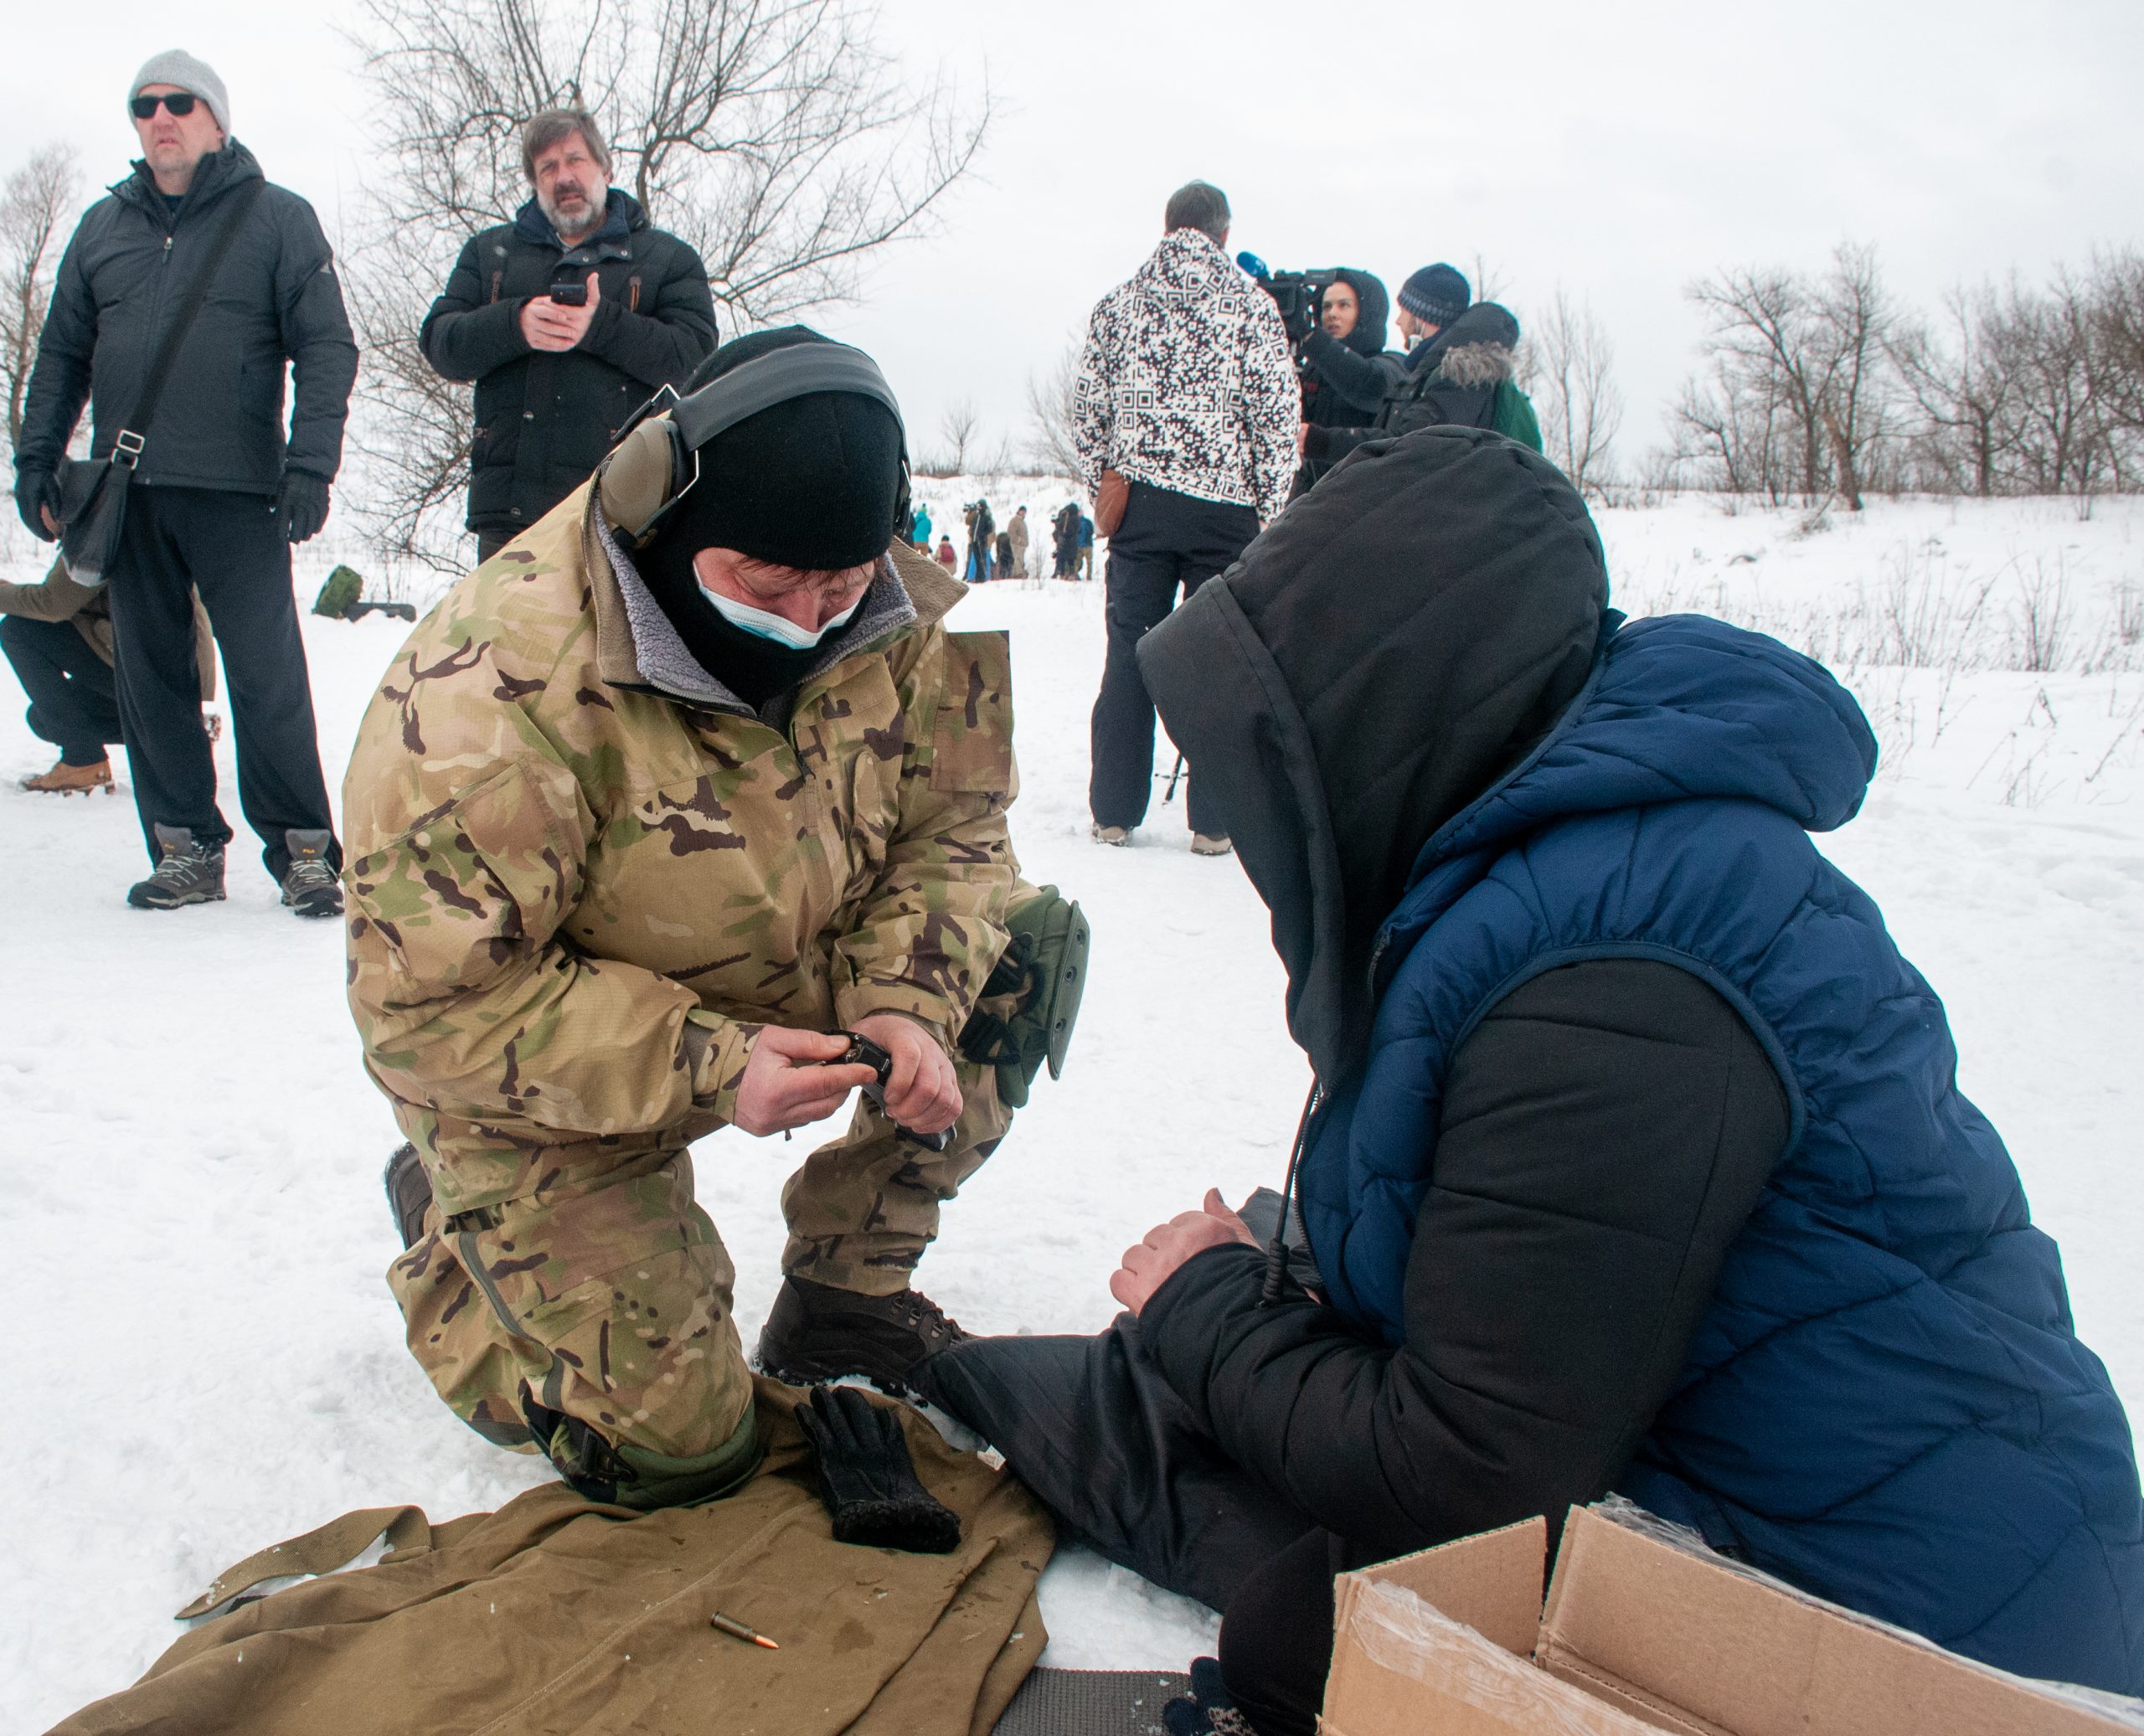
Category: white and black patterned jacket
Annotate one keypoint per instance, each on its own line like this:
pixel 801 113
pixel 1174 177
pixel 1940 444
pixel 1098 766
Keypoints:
pixel 1186 383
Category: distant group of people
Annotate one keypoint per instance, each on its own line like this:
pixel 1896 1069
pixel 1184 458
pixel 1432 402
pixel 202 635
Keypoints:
pixel 1002 553
pixel 1196 422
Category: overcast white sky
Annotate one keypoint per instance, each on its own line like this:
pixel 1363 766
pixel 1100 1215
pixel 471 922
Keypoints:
pixel 1617 150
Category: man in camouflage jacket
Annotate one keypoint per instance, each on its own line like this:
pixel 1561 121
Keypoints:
pixel 588 885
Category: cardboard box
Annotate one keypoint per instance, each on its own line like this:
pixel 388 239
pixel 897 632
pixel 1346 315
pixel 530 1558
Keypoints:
pixel 1646 1630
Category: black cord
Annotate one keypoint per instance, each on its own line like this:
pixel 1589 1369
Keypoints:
pixel 1277 1254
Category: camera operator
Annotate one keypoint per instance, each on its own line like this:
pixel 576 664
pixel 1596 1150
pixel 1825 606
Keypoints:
pixel 1461 372
pixel 1345 373
pixel 567 319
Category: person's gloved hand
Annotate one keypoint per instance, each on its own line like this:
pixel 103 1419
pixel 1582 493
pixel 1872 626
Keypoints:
pixel 301 505
pixel 867 1479
pixel 37 493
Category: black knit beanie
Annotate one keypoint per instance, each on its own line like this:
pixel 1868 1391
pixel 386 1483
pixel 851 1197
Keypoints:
pixel 810 482
pixel 1437 294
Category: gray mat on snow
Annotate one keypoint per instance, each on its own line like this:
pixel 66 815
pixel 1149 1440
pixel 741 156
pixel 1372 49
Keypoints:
pixel 1091 1703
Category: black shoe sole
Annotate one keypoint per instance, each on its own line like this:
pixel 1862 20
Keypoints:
pixel 804 1374
pixel 149 902
pixel 314 907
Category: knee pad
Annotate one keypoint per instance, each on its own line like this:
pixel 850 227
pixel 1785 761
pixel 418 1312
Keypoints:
pixel 619 1474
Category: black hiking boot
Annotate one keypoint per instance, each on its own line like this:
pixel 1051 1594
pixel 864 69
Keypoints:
pixel 409 1193
pixel 188 872
pixel 817 1333
pixel 309 885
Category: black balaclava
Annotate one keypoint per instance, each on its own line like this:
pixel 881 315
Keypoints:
pixel 810 482
pixel 1394 644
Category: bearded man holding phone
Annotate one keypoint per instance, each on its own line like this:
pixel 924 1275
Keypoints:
pixel 567 319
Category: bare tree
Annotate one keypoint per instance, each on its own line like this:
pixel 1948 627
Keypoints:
pixel 778 136
pixel 1802 390
pixel 1581 409
pixel 1963 383
pixel 959 427
pixel 2064 442
pixel 1759 321
pixel 2117 352
pixel 1855 316
pixel 35 203
pixel 1051 402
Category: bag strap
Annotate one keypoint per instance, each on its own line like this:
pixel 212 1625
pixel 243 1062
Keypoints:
pixel 126 446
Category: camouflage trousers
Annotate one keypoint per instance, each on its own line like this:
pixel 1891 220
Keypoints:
pixel 607 1297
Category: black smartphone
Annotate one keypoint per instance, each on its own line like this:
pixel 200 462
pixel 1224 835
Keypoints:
pixel 862 1051
pixel 570 295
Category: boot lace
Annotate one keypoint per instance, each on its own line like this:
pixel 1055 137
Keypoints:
pixel 930 1322
pixel 181 867
pixel 308 874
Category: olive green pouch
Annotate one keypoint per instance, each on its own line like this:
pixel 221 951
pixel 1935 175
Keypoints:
pixel 1024 1018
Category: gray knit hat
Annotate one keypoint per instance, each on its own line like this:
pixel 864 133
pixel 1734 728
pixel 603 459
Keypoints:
pixel 175 66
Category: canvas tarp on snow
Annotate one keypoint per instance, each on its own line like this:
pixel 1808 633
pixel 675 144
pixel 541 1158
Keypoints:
pixel 554 1614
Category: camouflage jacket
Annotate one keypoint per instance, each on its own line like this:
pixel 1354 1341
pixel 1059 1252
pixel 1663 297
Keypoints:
pixel 581 873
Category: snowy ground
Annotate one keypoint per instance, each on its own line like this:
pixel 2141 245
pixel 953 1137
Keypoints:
pixel 207 1358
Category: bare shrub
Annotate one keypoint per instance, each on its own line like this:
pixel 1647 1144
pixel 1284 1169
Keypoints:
pixel 2040 619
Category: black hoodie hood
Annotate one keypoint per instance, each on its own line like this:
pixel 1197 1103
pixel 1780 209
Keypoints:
pixel 1397 641
pixel 1367 338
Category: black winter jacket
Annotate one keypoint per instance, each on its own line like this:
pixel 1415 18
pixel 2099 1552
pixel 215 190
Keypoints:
pixel 1448 380
pixel 1604 1131
pixel 275 301
pixel 1609 1128
pixel 545 419
pixel 1346 378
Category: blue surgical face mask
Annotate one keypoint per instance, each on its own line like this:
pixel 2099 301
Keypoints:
pixel 765 624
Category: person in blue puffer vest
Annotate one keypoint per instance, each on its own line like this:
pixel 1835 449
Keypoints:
pixel 1638 1162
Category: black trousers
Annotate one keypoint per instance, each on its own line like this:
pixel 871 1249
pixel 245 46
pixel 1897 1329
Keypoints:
pixel 490 542
pixel 228 547
pixel 72 704
pixel 1166 542
pixel 1276 1637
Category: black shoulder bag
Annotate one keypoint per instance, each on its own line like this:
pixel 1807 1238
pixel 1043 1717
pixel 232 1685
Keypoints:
pixel 93 491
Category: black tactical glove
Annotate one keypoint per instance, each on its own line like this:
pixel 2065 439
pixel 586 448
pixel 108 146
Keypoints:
pixel 36 489
pixel 867 1479
pixel 301 505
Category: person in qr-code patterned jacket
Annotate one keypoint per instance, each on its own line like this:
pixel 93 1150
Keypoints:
pixel 1187 393
pixel 647 816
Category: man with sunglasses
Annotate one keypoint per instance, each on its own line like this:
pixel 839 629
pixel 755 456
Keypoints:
pixel 219 491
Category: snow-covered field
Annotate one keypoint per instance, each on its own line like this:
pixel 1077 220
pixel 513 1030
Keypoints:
pixel 203 1354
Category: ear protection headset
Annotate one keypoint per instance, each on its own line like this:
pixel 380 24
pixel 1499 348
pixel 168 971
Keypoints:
pixel 658 462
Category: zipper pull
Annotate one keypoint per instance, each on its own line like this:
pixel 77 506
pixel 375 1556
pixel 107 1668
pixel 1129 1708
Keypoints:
pixel 166 244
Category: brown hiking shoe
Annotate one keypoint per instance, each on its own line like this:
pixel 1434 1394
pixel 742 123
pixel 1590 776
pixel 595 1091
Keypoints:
pixel 816 1332
pixel 65 780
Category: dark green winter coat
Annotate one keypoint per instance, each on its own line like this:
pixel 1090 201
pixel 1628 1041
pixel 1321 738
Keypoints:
pixel 545 419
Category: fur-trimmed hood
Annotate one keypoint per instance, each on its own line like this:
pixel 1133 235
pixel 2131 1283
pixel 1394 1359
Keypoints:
pixel 1479 348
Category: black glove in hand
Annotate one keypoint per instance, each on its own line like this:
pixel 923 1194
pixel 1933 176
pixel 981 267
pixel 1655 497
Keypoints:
pixel 867 1479
pixel 301 505
pixel 34 490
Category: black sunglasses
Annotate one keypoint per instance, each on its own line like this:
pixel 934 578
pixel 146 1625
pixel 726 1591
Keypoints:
pixel 179 102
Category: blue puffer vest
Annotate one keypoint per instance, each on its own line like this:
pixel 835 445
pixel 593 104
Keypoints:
pixel 1886 1402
